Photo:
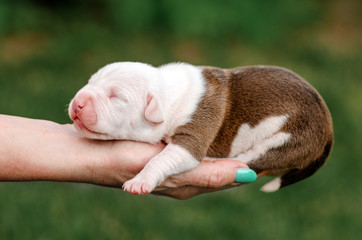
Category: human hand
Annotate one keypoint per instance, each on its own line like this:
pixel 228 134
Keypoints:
pixel 39 150
pixel 208 176
pixel 128 158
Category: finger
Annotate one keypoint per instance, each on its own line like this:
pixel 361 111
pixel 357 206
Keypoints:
pixel 187 192
pixel 263 173
pixel 208 174
pixel 184 192
pixel 179 193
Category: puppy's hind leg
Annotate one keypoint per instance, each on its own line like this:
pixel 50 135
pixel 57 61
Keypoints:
pixel 286 162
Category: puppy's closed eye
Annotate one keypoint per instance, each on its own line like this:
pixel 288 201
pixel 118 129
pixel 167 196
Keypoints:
pixel 117 95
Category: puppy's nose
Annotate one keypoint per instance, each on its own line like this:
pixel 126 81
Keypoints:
pixel 80 102
pixel 77 107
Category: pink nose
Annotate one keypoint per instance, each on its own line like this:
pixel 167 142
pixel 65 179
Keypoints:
pixel 82 110
pixel 77 107
pixel 80 102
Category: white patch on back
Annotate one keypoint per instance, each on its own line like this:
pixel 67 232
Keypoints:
pixel 253 142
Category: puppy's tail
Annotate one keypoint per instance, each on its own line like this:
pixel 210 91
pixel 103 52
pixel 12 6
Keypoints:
pixel 296 175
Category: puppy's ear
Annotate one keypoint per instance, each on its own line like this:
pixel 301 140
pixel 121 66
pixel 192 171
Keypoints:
pixel 154 110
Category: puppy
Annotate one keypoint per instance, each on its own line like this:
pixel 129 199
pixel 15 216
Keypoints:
pixel 267 117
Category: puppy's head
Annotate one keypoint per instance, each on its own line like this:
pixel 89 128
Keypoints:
pixel 119 102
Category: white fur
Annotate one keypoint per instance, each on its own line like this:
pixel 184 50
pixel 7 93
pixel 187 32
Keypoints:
pixel 260 138
pixel 122 116
pixel 260 148
pixel 272 186
pixel 172 160
pixel 183 87
pixel 136 101
pixel 177 88
pixel 251 143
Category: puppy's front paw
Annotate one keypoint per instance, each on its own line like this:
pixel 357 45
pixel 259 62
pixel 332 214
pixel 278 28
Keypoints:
pixel 138 186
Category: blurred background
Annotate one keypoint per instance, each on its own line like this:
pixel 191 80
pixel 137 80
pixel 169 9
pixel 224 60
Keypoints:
pixel 49 49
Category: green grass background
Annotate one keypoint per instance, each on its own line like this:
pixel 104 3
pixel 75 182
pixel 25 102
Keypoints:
pixel 49 49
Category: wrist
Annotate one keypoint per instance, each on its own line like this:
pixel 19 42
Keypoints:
pixel 122 161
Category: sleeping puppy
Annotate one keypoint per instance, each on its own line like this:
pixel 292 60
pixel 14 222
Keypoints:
pixel 267 117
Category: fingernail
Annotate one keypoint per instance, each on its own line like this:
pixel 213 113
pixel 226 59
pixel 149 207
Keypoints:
pixel 245 175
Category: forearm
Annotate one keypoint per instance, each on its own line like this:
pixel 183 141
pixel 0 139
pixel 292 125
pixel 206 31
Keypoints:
pixel 38 150
pixel 43 150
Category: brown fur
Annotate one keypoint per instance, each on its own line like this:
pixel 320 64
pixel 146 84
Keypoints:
pixel 249 95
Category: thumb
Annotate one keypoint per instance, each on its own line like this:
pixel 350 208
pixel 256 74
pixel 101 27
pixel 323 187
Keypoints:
pixel 215 174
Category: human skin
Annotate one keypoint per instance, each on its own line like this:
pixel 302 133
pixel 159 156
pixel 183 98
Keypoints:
pixel 41 150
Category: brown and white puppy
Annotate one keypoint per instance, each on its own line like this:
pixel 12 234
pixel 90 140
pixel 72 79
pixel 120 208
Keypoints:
pixel 267 117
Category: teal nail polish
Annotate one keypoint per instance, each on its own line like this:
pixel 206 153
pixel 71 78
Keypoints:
pixel 245 175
